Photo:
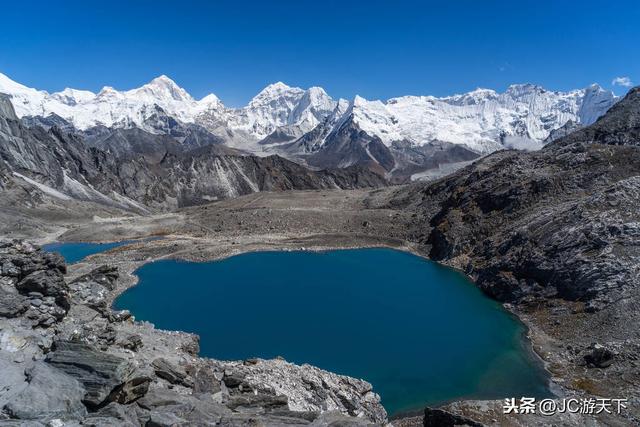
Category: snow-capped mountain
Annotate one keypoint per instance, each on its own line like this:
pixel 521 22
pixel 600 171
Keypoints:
pixel 109 107
pixel 483 120
pixel 276 106
pixel 298 123
pixel 280 105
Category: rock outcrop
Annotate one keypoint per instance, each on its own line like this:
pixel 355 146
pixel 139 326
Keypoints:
pixel 66 357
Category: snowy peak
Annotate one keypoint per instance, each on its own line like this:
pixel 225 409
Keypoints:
pixel 279 105
pixel 11 87
pixel 596 102
pixel 474 97
pixel 73 97
pixel 276 94
pixel 162 88
pixel 482 119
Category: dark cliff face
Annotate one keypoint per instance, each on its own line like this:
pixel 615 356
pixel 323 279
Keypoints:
pixel 349 145
pixel 560 222
pixel 620 126
pixel 134 170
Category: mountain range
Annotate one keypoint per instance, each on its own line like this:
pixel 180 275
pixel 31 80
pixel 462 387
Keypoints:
pixel 399 138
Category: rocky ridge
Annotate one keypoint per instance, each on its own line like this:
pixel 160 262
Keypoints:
pixel 139 172
pixel 67 358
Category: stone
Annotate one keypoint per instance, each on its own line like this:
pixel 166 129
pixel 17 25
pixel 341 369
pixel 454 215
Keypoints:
pixel 191 408
pixel 599 356
pixel 132 390
pixel 206 381
pixel 336 419
pixel 92 288
pixel 132 342
pixel 114 414
pixel 165 419
pixel 50 393
pixel 264 402
pixel 12 305
pixel 100 373
pixel 171 372
pixel 47 282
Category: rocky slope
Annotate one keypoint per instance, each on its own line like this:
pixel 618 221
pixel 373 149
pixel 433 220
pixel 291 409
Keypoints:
pixel 557 222
pixel 556 233
pixel 135 170
pixel 67 359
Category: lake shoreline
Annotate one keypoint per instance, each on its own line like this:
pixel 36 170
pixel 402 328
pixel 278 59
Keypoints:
pixel 169 247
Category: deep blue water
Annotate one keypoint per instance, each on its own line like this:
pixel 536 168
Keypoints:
pixel 419 332
pixel 77 251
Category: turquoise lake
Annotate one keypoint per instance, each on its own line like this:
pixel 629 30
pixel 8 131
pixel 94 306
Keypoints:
pixel 77 251
pixel 419 332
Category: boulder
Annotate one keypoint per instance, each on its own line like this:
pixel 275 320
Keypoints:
pixel 12 304
pixel 92 288
pixel 131 390
pixel 599 356
pixel 171 372
pixel 336 419
pixel 50 393
pixel 165 419
pixel 191 408
pixel 206 380
pixel 99 372
pixel 114 414
pixel 48 283
pixel 132 342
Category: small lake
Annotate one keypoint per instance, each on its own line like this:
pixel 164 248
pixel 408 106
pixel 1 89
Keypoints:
pixel 419 332
pixel 73 252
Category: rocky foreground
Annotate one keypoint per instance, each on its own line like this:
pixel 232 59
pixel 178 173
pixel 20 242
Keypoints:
pixel 67 359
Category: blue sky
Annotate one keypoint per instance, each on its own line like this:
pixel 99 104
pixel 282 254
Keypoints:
pixel 377 49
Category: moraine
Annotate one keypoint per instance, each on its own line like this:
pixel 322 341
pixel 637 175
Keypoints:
pixel 419 332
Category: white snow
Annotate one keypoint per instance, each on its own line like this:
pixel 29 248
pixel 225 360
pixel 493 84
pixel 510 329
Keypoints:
pixel 481 119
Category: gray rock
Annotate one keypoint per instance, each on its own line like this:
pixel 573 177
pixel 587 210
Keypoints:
pixel 131 390
pixel 114 414
pixel 12 380
pixel 190 408
pixel 165 419
pixel 599 356
pixel 11 304
pixel 48 283
pixel 99 372
pixel 249 402
pixel 92 288
pixel 132 342
pixel 206 381
pixel 171 372
pixel 50 393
